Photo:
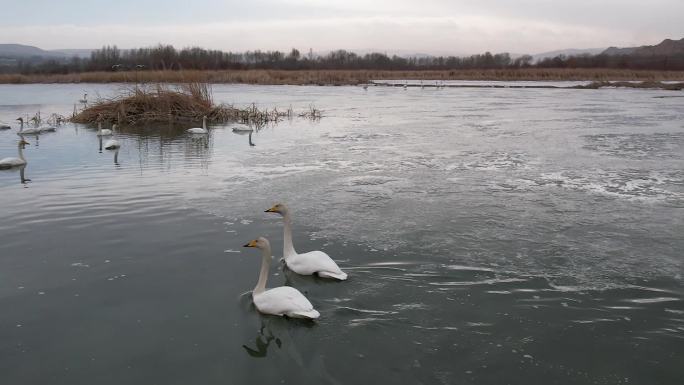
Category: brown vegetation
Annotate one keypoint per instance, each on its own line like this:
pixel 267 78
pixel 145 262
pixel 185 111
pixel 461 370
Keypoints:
pixel 341 77
pixel 185 102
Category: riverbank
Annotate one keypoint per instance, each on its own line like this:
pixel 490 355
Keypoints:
pixel 343 77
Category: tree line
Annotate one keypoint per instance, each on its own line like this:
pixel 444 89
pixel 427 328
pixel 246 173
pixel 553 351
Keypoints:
pixel 166 57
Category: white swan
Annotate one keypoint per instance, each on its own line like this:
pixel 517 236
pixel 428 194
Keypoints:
pixel 47 129
pixel 15 162
pixel 313 262
pixel 84 100
pixel 28 131
pixel 281 301
pixel 242 130
pixel 101 132
pixel 4 126
pixel 197 130
pixel 112 144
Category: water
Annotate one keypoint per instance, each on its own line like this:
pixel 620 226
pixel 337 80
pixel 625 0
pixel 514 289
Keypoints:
pixel 491 236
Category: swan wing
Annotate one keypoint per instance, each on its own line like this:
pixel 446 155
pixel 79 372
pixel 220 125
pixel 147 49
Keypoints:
pixel 11 162
pixel 197 130
pixel 112 144
pixel 315 262
pixel 285 300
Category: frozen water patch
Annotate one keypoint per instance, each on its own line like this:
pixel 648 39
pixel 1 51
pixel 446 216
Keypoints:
pixel 637 146
pixel 627 184
pixel 494 161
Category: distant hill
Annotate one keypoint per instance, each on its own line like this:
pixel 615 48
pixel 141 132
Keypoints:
pixel 19 51
pixel 667 47
pixel 567 52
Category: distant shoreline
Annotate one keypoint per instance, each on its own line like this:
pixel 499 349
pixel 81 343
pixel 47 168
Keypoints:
pixel 344 77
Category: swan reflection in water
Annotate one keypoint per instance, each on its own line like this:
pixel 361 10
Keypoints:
pixel 276 334
pixel 262 342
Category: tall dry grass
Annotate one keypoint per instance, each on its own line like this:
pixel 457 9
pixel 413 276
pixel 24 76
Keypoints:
pixel 341 77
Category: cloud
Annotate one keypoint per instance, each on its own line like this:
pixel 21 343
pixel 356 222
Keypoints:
pixel 463 34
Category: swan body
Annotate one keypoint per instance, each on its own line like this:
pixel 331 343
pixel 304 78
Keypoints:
pixel 101 132
pixel 47 129
pixel 280 301
pixel 313 262
pixel 28 131
pixel 244 130
pixel 198 130
pixel 112 144
pixel 4 127
pixel 6 163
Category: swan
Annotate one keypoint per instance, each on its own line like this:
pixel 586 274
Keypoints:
pixel 15 162
pixel 4 126
pixel 242 130
pixel 198 130
pixel 112 144
pixel 101 132
pixel 313 262
pixel 281 301
pixel 85 99
pixel 28 131
pixel 47 129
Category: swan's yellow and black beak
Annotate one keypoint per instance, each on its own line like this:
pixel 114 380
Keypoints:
pixel 252 243
pixel 273 209
pixel 23 142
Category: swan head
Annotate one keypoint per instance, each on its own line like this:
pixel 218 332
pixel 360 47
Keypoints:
pixel 20 120
pixel 22 142
pixel 260 243
pixel 278 208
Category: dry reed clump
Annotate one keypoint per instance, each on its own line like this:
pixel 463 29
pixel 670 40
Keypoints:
pixel 185 102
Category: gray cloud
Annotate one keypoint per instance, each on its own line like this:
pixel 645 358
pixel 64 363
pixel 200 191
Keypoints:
pixel 436 26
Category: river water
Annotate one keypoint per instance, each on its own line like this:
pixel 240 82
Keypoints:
pixel 491 236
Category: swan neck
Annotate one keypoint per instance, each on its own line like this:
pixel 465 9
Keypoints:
pixel 288 247
pixel 204 123
pixel 263 274
pixel 21 151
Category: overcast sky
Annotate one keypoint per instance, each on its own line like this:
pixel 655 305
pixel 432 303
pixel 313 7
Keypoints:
pixel 420 26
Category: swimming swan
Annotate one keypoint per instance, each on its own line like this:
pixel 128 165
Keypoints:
pixel 242 130
pixel 197 130
pixel 112 144
pixel 15 162
pixel 281 301
pixel 101 132
pixel 28 131
pixel 313 262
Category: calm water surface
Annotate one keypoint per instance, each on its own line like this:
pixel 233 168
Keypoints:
pixel 492 236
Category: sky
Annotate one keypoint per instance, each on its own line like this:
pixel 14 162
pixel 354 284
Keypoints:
pixel 420 26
